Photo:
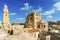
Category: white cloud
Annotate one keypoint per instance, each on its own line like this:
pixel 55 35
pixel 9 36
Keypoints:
pixel 26 6
pixel 11 14
pixel 49 12
pixel 39 10
pixel 57 6
pixel 54 9
pixel 49 17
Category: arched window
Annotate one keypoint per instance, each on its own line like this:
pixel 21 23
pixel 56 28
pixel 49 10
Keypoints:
pixel 38 26
pixel 0 27
pixel 44 26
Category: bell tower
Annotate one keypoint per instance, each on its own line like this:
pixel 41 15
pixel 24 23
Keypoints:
pixel 32 19
pixel 6 20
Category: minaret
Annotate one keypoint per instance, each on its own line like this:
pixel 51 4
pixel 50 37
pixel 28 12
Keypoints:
pixel 6 21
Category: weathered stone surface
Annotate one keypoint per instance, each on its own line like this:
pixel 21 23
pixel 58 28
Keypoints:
pixel 22 36
pixel 3 35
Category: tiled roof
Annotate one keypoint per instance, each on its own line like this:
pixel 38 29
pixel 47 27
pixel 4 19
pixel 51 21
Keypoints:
pixel 33 30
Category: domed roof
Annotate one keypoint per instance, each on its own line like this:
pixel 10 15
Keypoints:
pixel 5 8
pixel 33 11
pixel 43 21
pixel 5 5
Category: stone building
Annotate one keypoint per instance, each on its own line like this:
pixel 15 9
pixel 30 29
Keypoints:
pixel 34 20
pixel 0 24
pixel 3 34
pixel 42 25
pixel 6 20
pixel 44 36
pixel 17 28
pixel 8 27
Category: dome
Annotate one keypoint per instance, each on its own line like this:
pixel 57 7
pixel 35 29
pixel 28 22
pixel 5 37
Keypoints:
pixel 5 5
pixel 43 21
pixel 5 8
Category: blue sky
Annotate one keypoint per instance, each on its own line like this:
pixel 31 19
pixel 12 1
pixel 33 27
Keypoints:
pixel 49 9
